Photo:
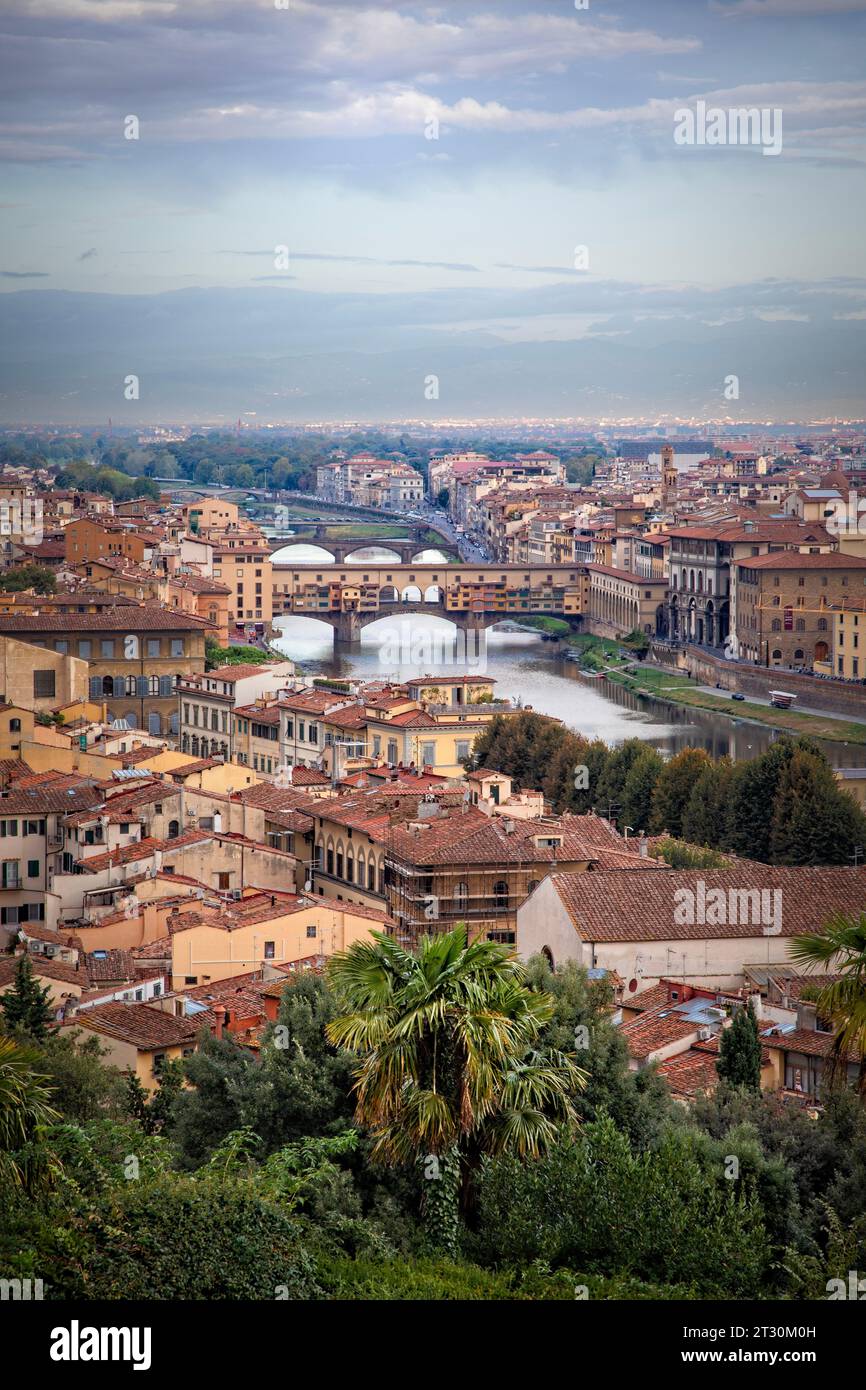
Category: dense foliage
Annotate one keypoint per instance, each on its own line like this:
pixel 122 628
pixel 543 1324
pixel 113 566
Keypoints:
pixel 261 1179
pixel 782 807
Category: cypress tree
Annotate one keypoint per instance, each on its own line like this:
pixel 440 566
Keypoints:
pixel 740 1051
pixel 27 1006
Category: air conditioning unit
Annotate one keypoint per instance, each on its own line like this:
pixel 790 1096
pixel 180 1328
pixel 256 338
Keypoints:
pixel 237 894
pixel 704 1034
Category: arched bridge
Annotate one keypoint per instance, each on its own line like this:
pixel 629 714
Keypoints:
pixel 349 598
pixel 343 549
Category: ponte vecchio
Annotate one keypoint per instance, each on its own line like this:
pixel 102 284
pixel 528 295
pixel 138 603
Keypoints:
pixel 349 597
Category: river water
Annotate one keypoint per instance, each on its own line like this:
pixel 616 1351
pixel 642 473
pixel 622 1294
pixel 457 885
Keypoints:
pixel 526 669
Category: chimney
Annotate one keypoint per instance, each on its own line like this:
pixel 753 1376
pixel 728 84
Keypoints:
pixel 807 1016
pixel 643 847
pixel 757 1004
pixel 219 1015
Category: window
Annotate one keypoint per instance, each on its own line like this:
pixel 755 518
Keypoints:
pixel 500 894
pixel 84 649
pixel 14 726
pixel 223 882
pixel 311 930
pixel 61 648
pixel 428 754
pixel 461 897
pixel 153 646
pixel 43 685
pixel 32 868
pixel 106 648
pixel 270 950
pixel 177 646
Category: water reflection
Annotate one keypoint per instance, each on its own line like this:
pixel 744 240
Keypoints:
pixel 534 672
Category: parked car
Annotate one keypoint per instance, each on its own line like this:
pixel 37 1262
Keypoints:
pixel 737 696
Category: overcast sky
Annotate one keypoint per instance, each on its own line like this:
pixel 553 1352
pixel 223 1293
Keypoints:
pixel 306 127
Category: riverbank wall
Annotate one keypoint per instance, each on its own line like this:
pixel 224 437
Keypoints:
pixel 833 696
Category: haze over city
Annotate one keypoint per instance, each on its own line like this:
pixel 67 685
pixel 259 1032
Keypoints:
pixel 325 205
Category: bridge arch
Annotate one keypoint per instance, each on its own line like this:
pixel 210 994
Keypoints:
pixel 433 593
pixel 411 594
pixel 365 553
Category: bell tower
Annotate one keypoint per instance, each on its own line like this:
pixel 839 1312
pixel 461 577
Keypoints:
pixel 669 478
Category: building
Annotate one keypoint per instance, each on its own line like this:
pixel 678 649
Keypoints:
pixel 208 699
pixel 699 925
pixel 138 1038
pixel 849 639
pixel 786 607
pixel 37 678
pixel 135 653
pixel 86 539
pixel 621 602
pixel 465 866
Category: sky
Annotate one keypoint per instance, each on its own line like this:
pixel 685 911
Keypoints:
pixel 397 175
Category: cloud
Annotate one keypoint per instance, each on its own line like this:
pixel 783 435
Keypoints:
pixel 359 260
pixel 88 255
pixel 25 274
pixel 786 9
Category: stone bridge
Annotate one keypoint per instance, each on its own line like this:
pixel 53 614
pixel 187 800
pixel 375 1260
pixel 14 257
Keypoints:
pixel 349 625
pixel 342 549
pixel 472 597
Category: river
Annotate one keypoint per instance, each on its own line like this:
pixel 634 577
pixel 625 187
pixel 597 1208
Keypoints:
pixel 525 668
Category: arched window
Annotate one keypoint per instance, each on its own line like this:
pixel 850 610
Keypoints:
pixel 822 624
pixel 14 726
pixel 108 685
pixel 500 895
pixel 801 624
pixel 548 956
pixel 799 654
pixel 777 625
pixel 777 655
pixel 371 876
pixel 173 829
pixel 350 867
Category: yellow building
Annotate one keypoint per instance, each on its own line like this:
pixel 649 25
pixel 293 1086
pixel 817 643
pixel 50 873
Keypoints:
pixel 39 679
pixel 139 1038
pixel 213 943
pixel 849 639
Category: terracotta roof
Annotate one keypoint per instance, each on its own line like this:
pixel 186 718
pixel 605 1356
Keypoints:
pixel 812 1044
pixel 143 1026
pixel 230 674
pixel 113 964
pixel 24 800
pixel 691 1073
pixel 127 618
pixel 472 837
pixel 794 560
pixel 653 1031
pixel 43 966
pixel 611 905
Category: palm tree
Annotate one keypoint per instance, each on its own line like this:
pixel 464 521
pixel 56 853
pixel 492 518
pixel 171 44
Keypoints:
pixel 447 1069
pixel 24 1108
pixel 840 947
